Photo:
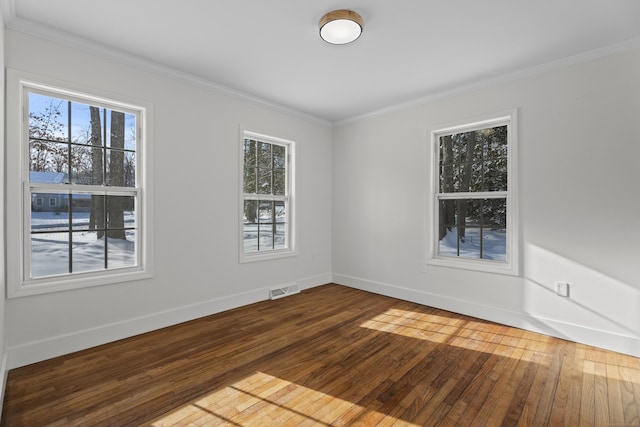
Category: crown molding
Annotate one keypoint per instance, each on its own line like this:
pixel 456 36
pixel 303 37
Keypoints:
pixel 497 80
pixel 41 31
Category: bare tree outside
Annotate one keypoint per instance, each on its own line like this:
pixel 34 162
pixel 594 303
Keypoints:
pixel 96 219
pixel 116 204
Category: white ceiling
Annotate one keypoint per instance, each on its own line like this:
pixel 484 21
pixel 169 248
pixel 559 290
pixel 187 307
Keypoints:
pixel 410 49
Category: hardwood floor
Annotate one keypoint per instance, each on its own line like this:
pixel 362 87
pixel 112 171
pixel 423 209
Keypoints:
pixel 330 356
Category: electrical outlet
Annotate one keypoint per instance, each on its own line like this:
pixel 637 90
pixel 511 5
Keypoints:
pixel 563 289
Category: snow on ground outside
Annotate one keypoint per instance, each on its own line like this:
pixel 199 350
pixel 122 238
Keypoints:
pixel 50 251
pixel 494 244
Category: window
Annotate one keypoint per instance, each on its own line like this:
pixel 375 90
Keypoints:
pixel 267 205
pixel 83 155
pixel 474 209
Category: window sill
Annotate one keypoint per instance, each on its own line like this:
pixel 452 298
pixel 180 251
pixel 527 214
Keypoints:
pixel 484 266
pixel 80 281
pixel 264 256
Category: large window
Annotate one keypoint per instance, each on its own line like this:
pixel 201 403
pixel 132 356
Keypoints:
pixel 267 207
pixel 474 209
pixel 78 161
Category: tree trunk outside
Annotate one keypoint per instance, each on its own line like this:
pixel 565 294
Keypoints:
pixel 447 207
pixel 96 216
pixel 465 184
pixel 116 204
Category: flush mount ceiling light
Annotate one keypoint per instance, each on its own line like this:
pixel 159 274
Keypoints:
pixel 340 26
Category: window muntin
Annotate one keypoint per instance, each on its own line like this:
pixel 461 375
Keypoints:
pixel 266 197
pixel 53 173
pixel 474 214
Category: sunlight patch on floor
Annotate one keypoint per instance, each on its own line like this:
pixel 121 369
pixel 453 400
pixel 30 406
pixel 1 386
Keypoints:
pixel 262 399
pixel 468 334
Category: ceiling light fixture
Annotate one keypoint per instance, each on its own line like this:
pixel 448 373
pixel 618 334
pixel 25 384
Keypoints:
pixel 340 26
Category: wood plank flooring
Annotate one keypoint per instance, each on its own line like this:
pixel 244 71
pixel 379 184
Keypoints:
pixel 330 356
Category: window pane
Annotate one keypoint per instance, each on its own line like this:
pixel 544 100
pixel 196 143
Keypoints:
pixel 495 143
pixel 265 233
pixel 45 217
pixel 89 167
pixel 87 251
pixel 264 155
pixel 249 185
pixel 49 254
pixel 250 153
pixel 494 175
pixel 48 162
pixel 473 228
pixel 89 212
pixel 120 214
pixel 130 132
pixel 495 213
pixel 81 123
pixel 121 130
pixel 279 182
pixel 81 164
pixel 266 212
pixel 494 244
pixel 474 161
pixel 120 167
pixel 48 118
pixel 264 181
pixel 446 178
pixel 250 226
pixel 453 245
pixel 494 234
pixel 121 251
pixel 266 238
pixel 458 236
pixel 129 169
pixel 279 239
pixel 81 210
pixel 279 156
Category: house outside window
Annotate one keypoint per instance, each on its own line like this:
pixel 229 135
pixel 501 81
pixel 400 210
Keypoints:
pixel 474 217
pixel 83 154
pixel 267 198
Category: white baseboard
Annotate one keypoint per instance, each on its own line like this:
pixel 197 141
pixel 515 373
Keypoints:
pixel 312 282
pixel 4 372
pixel 38 351
pixel 572 332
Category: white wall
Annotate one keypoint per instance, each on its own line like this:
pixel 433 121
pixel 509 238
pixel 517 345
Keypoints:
pixel 579 146
pixel 196 151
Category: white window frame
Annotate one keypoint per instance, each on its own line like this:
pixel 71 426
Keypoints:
pixel 288 198
pixel 510 265
pixel 19 189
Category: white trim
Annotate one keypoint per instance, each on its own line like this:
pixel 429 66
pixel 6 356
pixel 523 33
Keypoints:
pixel 511 266
pixel 625 344
pixel 47 348
pixel 18 281
pixel 289 199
